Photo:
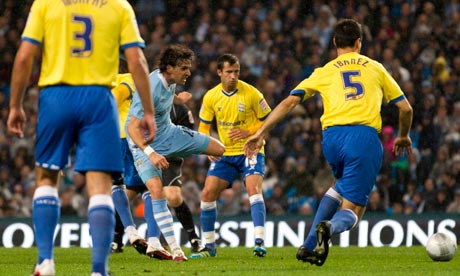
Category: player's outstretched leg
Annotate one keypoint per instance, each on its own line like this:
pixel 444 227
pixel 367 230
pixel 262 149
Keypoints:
pixel 323 234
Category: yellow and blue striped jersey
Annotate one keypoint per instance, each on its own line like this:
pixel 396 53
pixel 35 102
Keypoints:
pixel 352 88
pixel 81 40
pixel 241 109
pixel 123 93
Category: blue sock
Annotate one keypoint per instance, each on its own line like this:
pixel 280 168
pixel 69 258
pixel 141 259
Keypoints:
pixel 46 213
pixel 121 202
pixel 208 218
pixel 258 214
pixel 258 211
pixel 152 228
pixel 342 221
pixel 327 208
pixel 101 219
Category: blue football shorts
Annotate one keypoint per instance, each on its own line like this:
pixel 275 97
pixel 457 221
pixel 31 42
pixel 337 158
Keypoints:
pixel 181 142
pixel 354 154
pixel 229 168
pixel 81 116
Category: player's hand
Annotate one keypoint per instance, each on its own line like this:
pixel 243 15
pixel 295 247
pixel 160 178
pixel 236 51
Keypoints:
pixel 213 158
pixel 402 144
pixel 253 145
pixel 182 98
pixel 159 161
pixel 16 122
pixel 149 127
pixel 237 134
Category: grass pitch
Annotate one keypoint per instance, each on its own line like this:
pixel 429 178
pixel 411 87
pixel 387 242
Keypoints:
pixel 240 261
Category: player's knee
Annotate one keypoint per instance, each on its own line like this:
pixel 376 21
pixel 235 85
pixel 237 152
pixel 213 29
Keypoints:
pixel 209 195
pixel 48 177
pixel 174 201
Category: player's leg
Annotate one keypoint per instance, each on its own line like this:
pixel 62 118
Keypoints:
pixel 328 206
pixel 361 152
pixel 154 249
pixel 98 153
pixel 55 137
pixel 45 217
pixel 121 201
pixel 123 194
pixel 185 217
pixel 101 218
pixel 172 187
pixel 253 172
pixel 163 216
pixel 258 212
pixel 212 189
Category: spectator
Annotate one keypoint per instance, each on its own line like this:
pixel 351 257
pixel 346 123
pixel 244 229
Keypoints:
pixel 375 203
pixel 277 203
pixel 454 206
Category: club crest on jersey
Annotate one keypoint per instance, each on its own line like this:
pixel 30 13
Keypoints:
pixel 219 108
pixel 263 105
pixel 240 107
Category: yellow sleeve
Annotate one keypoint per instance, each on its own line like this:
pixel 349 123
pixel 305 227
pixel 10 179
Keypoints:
pixel 121 92
pixel 204 128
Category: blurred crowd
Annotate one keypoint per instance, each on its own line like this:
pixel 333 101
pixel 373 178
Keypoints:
pixel 279 43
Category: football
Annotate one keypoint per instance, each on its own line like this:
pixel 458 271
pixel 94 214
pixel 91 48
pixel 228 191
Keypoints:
pixel 440 247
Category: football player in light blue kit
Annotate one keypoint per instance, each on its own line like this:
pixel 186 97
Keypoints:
pixel 171 140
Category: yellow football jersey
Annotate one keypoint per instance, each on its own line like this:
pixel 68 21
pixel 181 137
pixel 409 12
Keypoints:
pixel 241 109
pixel 352 87
pixel 123 93
pixel 81 40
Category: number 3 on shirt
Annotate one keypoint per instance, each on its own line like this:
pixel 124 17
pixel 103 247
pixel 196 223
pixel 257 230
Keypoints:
pixel 83 37
pixel 355 86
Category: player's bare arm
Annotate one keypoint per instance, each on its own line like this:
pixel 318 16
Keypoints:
pixel 20 80
pixel 139 70
pixel 255 142
pixel 136 133
pixel 403 142
pixel 237 134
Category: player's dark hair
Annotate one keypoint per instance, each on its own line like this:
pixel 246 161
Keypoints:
pixel 173 55
pixel 346 32
pixel 231 59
